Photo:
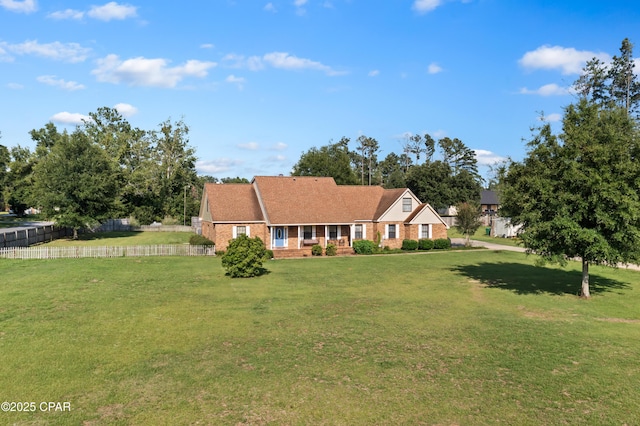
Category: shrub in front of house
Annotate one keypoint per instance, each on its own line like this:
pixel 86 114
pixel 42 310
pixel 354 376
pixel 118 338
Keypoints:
pixel 268 254
pixel 331 250
pixel 364 246
pixel 425 244
pixel 442 243
pixel 409 245
pixel 244 257
pixel 316 250
pixel 199 240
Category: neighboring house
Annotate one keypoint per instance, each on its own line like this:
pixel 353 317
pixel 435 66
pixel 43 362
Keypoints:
pixel 489 203
pixel 294 213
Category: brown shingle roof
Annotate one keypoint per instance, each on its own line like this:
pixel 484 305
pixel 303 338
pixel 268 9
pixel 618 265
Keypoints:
pixel 301 200
pixel 233 202
pixel 298 200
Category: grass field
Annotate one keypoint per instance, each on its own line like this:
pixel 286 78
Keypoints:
pixel 481 235
pixel 124 239
pixel 467 338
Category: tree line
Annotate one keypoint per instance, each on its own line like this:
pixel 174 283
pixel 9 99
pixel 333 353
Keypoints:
pixel 451 179
pixel 105 168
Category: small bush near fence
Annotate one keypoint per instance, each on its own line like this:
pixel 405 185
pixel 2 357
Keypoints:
pixel 442 243
pixel 364 247
pixel 425 244
pixel 316 250
pixel 331 250
pixel 199 240
pixel 409 245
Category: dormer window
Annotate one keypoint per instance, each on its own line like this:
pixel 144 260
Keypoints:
pixel 406 205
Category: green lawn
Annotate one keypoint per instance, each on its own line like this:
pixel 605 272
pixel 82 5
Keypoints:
pixel 466 338
pixel 481 235
pixel 124 239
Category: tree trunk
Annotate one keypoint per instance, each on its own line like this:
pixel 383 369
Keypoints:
pixel 584 292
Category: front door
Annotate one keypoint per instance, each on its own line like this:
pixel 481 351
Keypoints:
pixel 280 236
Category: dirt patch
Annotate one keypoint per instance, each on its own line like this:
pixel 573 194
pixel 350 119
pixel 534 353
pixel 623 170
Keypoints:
pixel 620 320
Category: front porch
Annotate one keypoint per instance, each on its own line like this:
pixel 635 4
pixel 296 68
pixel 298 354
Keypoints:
pixel 303 237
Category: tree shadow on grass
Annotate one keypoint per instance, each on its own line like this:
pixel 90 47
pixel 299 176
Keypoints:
pixel 529 279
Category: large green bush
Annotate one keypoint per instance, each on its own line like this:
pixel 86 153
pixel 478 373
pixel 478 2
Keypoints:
pixel 331 250
pixel 244 257
pixel 409 245
pixel 425 244
pixel 442 243
pixel 199 240
pixel 316 250
pixel 364 247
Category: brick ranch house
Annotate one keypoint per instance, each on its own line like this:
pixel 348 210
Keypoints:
pixel 291 214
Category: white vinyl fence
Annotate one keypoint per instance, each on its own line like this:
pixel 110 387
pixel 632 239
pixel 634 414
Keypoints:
pixel 43 252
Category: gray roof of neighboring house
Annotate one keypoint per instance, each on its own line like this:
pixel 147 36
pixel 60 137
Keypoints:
pixel 489 197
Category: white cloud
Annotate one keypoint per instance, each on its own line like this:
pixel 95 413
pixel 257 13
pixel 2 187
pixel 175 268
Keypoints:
pixel 551 118
pixel 487 158
pixel 207 46
pixel 269 7
pixel 24 6
pixel 283 60
pixel 276 159
pixel 69 52
pixel 374 73
pixel 278 60
pixel 15 86
pixel 219 165
pixel 232 79
pixel 112 10
pixel 148 72
pixel 126 110
pixel 566 59
pixel 67 14
pixel 547 90
pixel 424 6
pixel 299 3
pixel 280 146
pixel 51 80
pixel 69 118
pixel 250 146
pixel 434 68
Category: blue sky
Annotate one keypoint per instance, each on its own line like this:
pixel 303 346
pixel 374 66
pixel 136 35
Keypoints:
pixel 259 82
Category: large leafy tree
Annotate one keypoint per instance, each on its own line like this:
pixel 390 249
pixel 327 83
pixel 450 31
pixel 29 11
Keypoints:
pixel 19 180
pixel 332 160
pixel 468 219
pixel 175 171
pixel 74 182
pixel 576 194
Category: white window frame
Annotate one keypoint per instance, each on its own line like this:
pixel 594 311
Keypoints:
pixel 363 229
pixel 422 228
pixel 386 234
pixel 338 229
pixel 246 227
pixel 313 231
pixel 409 206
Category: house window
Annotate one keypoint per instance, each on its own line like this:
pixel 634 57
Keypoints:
pixel 406 205
pixel 333 232
pixel 240 230
pixel 307 233
pixel 391 232
pixel 358 232
pixel 424 232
